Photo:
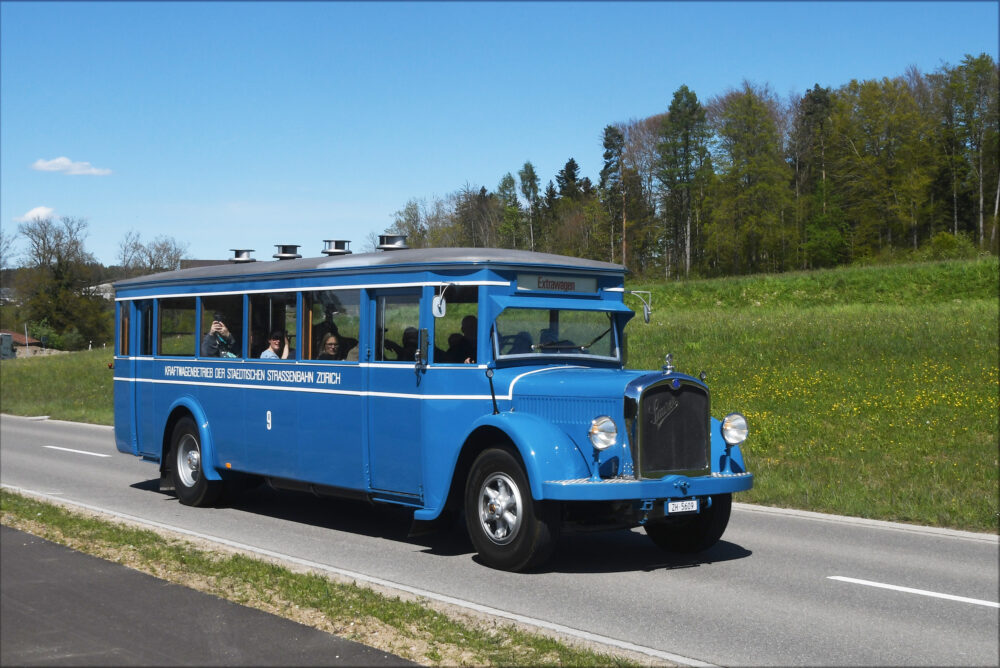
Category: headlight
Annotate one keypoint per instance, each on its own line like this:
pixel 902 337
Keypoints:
pixel 734 428
pixel 603 432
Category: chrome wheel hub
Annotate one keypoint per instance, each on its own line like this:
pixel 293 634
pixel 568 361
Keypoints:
pixel 188 461
pixel 500 508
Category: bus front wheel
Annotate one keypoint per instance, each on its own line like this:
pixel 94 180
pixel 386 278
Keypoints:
pixel 510 530
pixel 190 484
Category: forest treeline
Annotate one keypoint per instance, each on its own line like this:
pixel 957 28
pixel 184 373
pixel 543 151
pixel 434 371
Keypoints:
pixel 747 182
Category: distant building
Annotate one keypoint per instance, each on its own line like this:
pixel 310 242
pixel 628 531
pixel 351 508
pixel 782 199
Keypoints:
pixel 104 290
pixel 22 347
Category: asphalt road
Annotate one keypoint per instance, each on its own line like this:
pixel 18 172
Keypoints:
pixel 63 608
pixel 782 588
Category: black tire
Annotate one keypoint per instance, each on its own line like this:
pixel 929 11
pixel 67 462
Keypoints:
pixel 190 485
pixel 694 533
pixel 510 530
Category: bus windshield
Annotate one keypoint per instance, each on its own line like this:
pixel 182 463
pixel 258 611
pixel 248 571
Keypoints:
pixel 525 332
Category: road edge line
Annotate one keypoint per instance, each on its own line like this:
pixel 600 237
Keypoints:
pixel 874 524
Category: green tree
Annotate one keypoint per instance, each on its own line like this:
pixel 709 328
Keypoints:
pixel 612 185
pixel 812 131
pixel 884 163
pixel 568 179
pixel 409 221
pixel 547 217
pixel 58 282
pixel 510 223
pixel 976 95
pixel 749 230
pixel 529 190
pixel 684 169
pixel 948 145
pixel 477 217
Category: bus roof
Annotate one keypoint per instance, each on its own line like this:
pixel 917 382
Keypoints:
pixel 410 259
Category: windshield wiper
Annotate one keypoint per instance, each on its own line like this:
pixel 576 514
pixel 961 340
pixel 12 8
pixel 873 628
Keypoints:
pixel 599 337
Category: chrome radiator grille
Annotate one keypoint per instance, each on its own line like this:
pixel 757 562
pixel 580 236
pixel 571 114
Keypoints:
pixel 671 431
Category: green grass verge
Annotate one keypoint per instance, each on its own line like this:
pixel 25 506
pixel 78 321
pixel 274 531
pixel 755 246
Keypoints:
pixel 407 628
pixel 72 386
pixel 870 391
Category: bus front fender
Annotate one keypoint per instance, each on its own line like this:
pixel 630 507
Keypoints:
pixel 547 451
pixel 191 405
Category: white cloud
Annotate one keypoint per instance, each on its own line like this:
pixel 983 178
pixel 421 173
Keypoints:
pixel 37 212
pixel 67 166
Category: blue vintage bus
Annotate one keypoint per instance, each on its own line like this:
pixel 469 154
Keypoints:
pixel 487 381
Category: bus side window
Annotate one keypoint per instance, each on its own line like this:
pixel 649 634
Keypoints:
pixel 334 313
pixel 455 338
pixel 397 318
pixel 269 312
pixel 144 312
pixel 124 311
pixel 177 327
pixel 227 310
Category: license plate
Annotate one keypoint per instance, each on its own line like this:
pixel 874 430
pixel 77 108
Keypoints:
pixel 676 507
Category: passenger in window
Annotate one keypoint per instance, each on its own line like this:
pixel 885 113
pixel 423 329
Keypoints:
pixel 330 348
pixel 219 342
pixel 348 345
pixel 324 328
pixel 277 347
pixel 463 348
pixel 408 351
pixel 457 348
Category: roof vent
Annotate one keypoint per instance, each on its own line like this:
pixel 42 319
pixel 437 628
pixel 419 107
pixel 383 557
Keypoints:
pixel 336 247
pixel 241 255
pixel 286 252
pixel 388 242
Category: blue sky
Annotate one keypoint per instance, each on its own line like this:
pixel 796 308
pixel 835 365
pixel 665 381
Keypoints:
pixel 246 125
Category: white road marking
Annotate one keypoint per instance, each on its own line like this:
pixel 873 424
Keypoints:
pixel 361 577
pixel 81 452
pixel 921 592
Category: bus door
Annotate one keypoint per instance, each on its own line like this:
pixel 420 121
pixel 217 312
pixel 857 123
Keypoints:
pixel 270 410
pixel 394 392
pixel 142 375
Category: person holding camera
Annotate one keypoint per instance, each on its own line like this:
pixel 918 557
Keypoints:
pixel 219 341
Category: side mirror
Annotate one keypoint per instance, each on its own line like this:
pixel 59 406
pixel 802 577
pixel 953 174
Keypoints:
pixel 438 306
pixel 647 301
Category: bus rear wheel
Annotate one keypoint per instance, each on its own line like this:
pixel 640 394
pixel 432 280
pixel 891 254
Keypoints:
pixel 186 467
pixel 510 530
pixel 694 533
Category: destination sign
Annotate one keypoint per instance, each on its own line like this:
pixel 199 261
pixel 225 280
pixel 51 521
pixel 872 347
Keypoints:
pixel 546 283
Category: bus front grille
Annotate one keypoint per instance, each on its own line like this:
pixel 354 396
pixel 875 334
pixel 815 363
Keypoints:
pixel 672 431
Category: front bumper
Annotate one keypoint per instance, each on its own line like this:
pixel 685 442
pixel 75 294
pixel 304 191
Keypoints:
pixel 668 487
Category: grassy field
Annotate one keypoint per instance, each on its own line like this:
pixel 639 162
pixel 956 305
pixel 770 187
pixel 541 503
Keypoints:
pixel 870 391
pixel 74 386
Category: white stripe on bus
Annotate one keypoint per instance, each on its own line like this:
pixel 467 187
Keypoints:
pixel 357 393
